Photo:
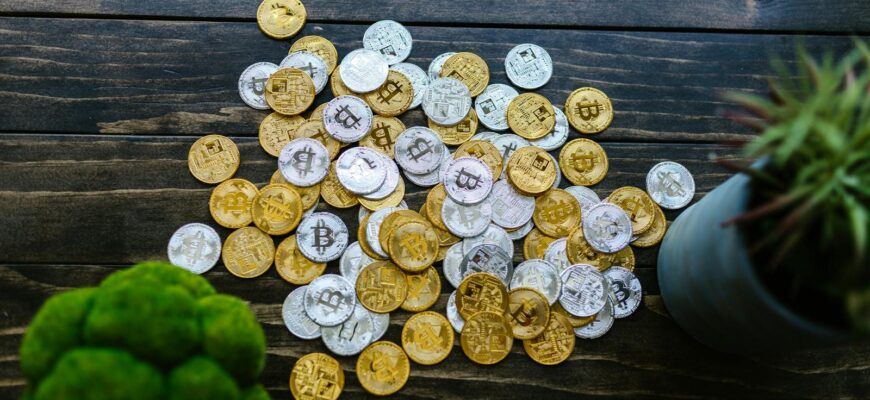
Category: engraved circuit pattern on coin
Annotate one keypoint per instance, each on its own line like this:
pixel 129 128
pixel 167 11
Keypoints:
pixel 381 287
pixel 311 64
pixel 195 247
pixel 419 150
pixel 540 275
pixel 481 292
pixel 329 300
pixel 531 170
pixel 492 104
pixel 276 130
pixel 294 316
pixel 584 290
pixel 507 144
pixel 322 237
pixel 558 136
pixel 316 376
pixel 486 338
pixel 555 344
pixel 419 80
pixel 304 162
pixel 626 290
pixel 248 252
pixel 347 118
pixel 290 91
pixel 528 66
pixel 469 69
pixel 589 110
pixel 281 19
pixel 607 228
pixel 670 185
pixel 213 159
pixel 468 181
pixel 459 133
pixel 351 336
pixel 361 170
pixel 363 70
pixel 446 101
pixel 493 234
pixel 488 258
pixel 531 116
pixel 252 84
pixel 390 39
pixel 510 209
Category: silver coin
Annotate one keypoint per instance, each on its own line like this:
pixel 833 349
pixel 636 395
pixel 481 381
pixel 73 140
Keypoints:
pixel 510 208
pixel 390 183
pixel 453 316
pixel 435 66
pixel 670 185
pixel 252 84
pixel 353 260
pixel 585 196
pixel 390 39
pixel 311 64
pixel 522 232
pixel 433 178
pixel 329 300
pixel 607 228
pixel 364 212
pixel 295 318
pixel 382 323
pixel 451 264
pixel 195 247
pixel 485 136
pixel 528 66
pixel 600 325
pixel 626 291
pixel 360 170
pixel 304 162
pixel 347 118
pixel 493 234
pixel 353 335
pixel 557 254
pixel 363 70
pixel 322 237
pixel 584 290
pixel 373 229
pixel 311 210
pixel 558 180
pixel 466 221
pixel 446 101
pixel 539 275
pixel 492 104
pixel 468 181
pixel 419 80
pixel 419 150
pixel 507 144
pixel 555 139
pixel 488 258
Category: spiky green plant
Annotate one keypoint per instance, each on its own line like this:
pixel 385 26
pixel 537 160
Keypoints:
pixel 809 216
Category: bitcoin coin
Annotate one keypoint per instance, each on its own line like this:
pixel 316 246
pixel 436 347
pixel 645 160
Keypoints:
pixel 363 70
pixel 575 321
pixel 277 209
pixel 453 316
pixel 353 335
pixel 316 376
pixel 670 185
pixel 316 130
pixel 507 144
pixel 281 19
pixel 213 159
pixel 466 221
pixel 486 337
pixel 374 232
pixel 334 193
pixel 382 137
pixel 252 84
pixel 558 136
pixel 329 300
pixel 483 151
pixel 469 69
pixel 583 162
pixel 510 209
pixel 468 181
pixel 626 291
pixel 488 258
pixel 446 101
pixel 390 39
pixel 317 113
pixel 654 234
pixel 624 258
pixel 607 228
pixel 578 251
pixel 493 234
pixel 427 338
pixel 531 170
pixel 338 87
pixel 539 275
pixel 434 203
pixel 492 105
pixel 392 200
pixel 248 252
pixel 639 207
pixel 457 134
pixel 531 116
pixel 419 80
pixel 383 368
pixel 394 219
pixel 556 254
pixel 230 203
pixel 381 287
pixel 528 312
pixel 363 242
pixel 277 130
pixel 589 110
pixel 413 246
pixel 352 261
pixel 419 150
pixel 382 323
pixel 556 213
pixel 304 162
pixel 195 247
pixel 522 231
pixel 311 64
pixel 434 69
pixel 555 344
pixel 585 196
pixel 451 263
pixel 322 237
pixel 424 288
pixel 600 325
pixel 320 46
pixel 292 266
pixel 347 118
pixel 391 178
pixel 290 91
pixel 481 292
pixel 393 97
pixel 361 170
pixel 528 66
pixel 295 319
pixel 584 290
pixel 432 178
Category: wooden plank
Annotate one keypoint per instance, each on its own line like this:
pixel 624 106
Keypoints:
pixel 179 77
pixel 796 15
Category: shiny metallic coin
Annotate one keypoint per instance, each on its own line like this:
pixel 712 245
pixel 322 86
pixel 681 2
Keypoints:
pixel 295 318
pixel 493 234
pixel 373 229
pixel 670 185
pixel 435 66
pixel 446 101
pixel 528 66
pixel 381 322
pixel 558 136
pixel 585 196
pixel 353 260
pixel 485 136
pixel 451 264
pixel 510 208
pixel 390 39
pixel 584 290
pixel 195 247
pixel 347 118
pixel 453 316
pixel 311 64
pixel 322 237
pixel 507 144
pixel 252 84
pixel 353 335
pixel 433 178
pixel 304 162
pixel 419 150
pixel 522 232
pixel 329 300
pixel 540 275
pixel 311 210
pixel 361 170
pixel 466 221
pixel 492 104
pixel 391 181
pixel 419 80
pixel 364 212
pixel 558 180
pixel 626 291
pixel 363 70
pixel 468 181
pixel 488 258
pixel 557 254
pixel 607 228
pixel 600 325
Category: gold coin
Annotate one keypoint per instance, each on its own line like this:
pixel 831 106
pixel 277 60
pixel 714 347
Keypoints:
pixel 334 193
pixel 320 46
pixel 535 244
pixel 289 91
pixel 637 204
pixel 277 210
pixel 655 233
pixel 531 170
pixel 624 258
pixel 579 251
pixel 316 376
pixel 445 238
pixel 427 337
pixel 277 130
pixel 528 312
pixel 555 344
pixel 413 246
pixel 583 162
pixel 292 266
pixel 230 203
pixel 213 159
pixel 434 203
pixel 309 194
pixel 392 221
pixel 442 253
pixel 317 113
pixel 483 151
pixel 393 97
pixel 382 136
pixel 248 252
pixel 383 368
pixel 481 292
pixel 531 116
pixel 575 322
pixel 556 213
pixel 424 288
pixel 337 86
pixel 589 110
pixel 469 69
pixel 315 130
pixel 363 242
pixel 381 287
pixel 393 200
pixel 486 338
pixel 457 134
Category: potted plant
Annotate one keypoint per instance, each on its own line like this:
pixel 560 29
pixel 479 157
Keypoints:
pixel 776 257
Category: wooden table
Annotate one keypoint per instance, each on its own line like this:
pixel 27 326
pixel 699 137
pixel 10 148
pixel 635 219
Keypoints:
pixel 102 99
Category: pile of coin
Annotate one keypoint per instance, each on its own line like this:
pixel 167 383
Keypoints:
pixel 488 190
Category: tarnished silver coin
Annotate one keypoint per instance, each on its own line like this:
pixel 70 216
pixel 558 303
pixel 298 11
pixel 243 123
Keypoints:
pixel 252 84
pixel 419 80
pixel 390 183
pixel 607 228
pixel 507 144
pixel 382 323
pixel 493 234
pixel 353 260
pixel 557 254
pixel 363 70
pixel 390 39
pixel 522 232
pixel 626 291
pixel 468 181
pixel 373 229
pixel 485 136
pixel 353 335
pixel 492 104
pixel 446 101
pixel 510 208
pixel 528 66
pixel 329 300
pixel 195 247
pixel 437 63
pixel 311 64
pixel 539 275
pixel 295 318
pixel 558 180
pixel 361 170
pixel 466 221
pixel 453 316
pixel 585 196
pixel 304 162
pixel 584 290
pixel 433 178
pixel 670 185
pixel 419 150
pixel 322 237
pixel 555 139
pixel 600 325
pixel 347 118
pixel 488 258
pixel 452 262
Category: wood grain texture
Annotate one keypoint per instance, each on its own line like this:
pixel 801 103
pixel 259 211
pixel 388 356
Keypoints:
pixel 795 15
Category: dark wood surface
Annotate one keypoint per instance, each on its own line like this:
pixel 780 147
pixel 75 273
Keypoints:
pixel 102 99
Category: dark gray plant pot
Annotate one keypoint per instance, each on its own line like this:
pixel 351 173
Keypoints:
pixel 711 289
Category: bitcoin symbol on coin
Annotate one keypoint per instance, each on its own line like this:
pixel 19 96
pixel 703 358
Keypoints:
pixel 632 207
pixel 415 245
pixel 236 203
pixel 525 313
pixel 381 135
pixel 388 91
pixel 588 111
pixel 620 291
pixel 330 299
pixel 419 148
pixel 258 85
pixel 671 185
pixel 192 247
pixel 382 366
pixel 322 236
pixel 508 150
pixel 346 118
pixel 583 161
pixel 426 337
pixel 557 212
pixel 469 182
pixel 302 160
